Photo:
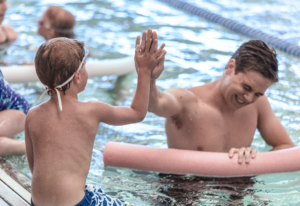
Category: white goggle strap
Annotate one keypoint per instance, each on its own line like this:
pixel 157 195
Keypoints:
pixel 63 84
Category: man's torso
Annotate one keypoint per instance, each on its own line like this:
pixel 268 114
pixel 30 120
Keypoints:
pixel 201 126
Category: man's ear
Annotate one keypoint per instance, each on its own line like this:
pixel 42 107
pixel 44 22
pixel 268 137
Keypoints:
pixel 230 67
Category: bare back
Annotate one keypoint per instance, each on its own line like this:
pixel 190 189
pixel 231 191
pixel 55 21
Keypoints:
pixel 62 143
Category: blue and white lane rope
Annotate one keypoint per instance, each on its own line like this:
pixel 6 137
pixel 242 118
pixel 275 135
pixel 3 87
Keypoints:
pixel 280 44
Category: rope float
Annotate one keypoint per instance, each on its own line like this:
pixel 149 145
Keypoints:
pixel 237 27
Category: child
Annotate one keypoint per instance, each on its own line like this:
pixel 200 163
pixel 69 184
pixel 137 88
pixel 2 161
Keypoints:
pixel 7 34
pixel 60 133
pixel 56 22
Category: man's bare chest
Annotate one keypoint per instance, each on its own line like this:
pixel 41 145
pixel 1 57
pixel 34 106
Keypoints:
pixel 202 127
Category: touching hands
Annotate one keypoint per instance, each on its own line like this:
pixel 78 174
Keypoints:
pixel 243 153
pixel 147 56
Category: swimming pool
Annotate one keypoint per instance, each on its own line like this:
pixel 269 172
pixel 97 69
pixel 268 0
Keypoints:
pixel 197 53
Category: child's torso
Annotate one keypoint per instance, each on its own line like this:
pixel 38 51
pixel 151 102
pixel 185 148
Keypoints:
pixel 62 147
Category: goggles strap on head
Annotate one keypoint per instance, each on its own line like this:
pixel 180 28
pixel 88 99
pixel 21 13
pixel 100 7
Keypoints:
pixel 86 52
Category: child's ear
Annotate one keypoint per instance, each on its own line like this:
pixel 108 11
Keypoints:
pixel 51 34
pixel 230 67
pixel 76 78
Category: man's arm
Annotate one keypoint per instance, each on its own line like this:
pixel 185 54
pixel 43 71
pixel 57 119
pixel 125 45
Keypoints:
pixel 270 127
pixel 167 103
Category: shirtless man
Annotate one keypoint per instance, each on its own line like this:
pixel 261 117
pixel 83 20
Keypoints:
pixel 222 116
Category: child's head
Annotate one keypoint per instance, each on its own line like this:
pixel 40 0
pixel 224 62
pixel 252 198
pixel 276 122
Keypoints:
pixel 3 8
pixel 57 60
pixel 56 22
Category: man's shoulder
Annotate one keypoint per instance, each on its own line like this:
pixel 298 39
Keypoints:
pixel 183 94
pixel 262 104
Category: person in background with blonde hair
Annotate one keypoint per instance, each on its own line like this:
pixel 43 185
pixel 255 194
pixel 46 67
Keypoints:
pixel 56 22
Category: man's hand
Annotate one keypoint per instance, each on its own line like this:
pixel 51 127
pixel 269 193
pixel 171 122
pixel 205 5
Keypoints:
pixel 243 152
pixel 149 40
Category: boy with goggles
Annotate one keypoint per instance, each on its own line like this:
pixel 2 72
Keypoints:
pixel 60 133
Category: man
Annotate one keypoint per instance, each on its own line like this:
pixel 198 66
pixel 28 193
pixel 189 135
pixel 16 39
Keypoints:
pixel 222 116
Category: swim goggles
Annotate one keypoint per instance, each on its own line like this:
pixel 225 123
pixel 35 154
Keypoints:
pixel 86 53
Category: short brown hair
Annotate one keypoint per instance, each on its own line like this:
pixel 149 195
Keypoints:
pixel 61 21
pixel 57 60
pixel 257 56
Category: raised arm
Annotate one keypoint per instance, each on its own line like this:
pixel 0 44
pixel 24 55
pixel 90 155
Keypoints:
pixel 146 58
pixel 270 127
pixel 164 104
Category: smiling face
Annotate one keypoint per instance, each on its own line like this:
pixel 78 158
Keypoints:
pixel 243 88
pixel 3 8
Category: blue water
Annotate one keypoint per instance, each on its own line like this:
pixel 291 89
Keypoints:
pixel 198 51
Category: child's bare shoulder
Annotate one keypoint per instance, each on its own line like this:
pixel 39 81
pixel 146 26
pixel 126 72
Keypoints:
pixel 33 113
pixel 97 109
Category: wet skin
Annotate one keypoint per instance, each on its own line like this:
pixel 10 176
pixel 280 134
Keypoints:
pixel 221 116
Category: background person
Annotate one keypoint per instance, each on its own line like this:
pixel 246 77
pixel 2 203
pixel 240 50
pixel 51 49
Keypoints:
pixel 13 110
pixel 7 34
pixel 56 22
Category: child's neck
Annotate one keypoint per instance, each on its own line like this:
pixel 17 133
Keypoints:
pixel 68 94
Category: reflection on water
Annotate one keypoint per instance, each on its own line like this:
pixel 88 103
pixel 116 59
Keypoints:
pixel 197 53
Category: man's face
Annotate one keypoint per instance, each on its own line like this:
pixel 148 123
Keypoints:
pixel 244 88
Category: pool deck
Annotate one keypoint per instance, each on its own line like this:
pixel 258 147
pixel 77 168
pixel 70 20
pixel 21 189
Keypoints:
pixel 15 187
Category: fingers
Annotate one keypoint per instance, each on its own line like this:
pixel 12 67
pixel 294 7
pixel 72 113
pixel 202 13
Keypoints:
pixel 247 155
pixel 137 51
pixel 154 46
pixel 149 40
pixel 158 52
pixel 232 151
pixel 241 155
pixel 137 41
pixel 154 36
pixel 253 153
pixel 143 44
pixel 162 56
pixel 243 152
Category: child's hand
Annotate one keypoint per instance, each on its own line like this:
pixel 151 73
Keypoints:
pixel 243 152
pixel 147 57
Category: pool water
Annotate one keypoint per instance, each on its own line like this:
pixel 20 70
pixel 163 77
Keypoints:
pixel 198 51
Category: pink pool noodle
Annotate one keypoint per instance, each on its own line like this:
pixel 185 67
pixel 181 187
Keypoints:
pixel 198 163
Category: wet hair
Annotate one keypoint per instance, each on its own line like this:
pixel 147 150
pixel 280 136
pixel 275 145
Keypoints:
pixel 57 60
pixel 61 21
pixel 255 55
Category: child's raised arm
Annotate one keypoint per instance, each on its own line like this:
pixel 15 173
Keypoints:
pixel 147 57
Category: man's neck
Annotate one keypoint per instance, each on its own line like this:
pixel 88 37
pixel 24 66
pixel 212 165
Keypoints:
pixel 217 96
